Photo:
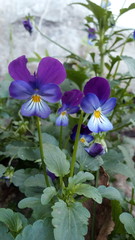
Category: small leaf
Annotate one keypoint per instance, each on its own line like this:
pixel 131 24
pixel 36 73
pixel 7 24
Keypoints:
pixel 14 221
pixel 4 233
pixel 29 202
pixel 86 161
pixel 55 160
pixel 80 177
pixel 2 169
pixel 48 194
pixel 124 10
pixel 39 230
pixel 89 192
pixel 110 193
pixel 70 222
pixel 129 223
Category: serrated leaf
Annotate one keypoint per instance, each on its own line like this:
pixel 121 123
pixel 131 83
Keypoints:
pixel 80 177
pixel 48 194
pixel 89 192
pixel 39 230
pixel 70 222
pixel 29 202
pixel 129 223
pixel 2 169
pixel 130 62
pixel 110 193
pixel 86 161
pixel 4 233
pixel 34 185
pixel 55 160
pixel 14 221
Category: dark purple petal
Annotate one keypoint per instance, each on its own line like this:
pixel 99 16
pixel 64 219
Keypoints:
pixel 108 105
pixel 50 70
pixel 134 34
pixel 90 103
pixel 18 70
pixel 39 109
pixel 72 98
pixel 20 90
pixel 95 149
pixel 73 110
pixel 51 175
pixel 50 92
pixel 84 131
pixel 100 87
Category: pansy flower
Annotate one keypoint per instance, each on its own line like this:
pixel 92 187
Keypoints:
pixel 134 34
pixel 27 25
pixel 91 35
pixel 85 134
pixel 95 149
pixel 70 101
pixel 105 3
pixel 38 88
pixel 97 102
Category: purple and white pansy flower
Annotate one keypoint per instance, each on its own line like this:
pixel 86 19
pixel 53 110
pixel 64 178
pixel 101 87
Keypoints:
pixel 95 150
pixel 38 88
pixel 97 102
pixel 70 101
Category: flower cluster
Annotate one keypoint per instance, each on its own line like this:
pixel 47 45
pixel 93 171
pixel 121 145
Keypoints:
pixel 42 87
pixel 27 25
pixel 91 35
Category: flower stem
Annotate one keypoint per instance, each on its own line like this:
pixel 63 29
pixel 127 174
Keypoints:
pixel 94 210
pixel 41 151
pixel 76 145
pixel 60 137
pixel 132 199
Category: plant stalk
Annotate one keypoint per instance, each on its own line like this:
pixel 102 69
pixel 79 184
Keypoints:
pixel 60 137
pixel 76 145
pixel 41 151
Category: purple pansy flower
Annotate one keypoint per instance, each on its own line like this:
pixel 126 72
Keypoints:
pixel 96 101
pixel 85 136
pixel 95 149
pixel 37 88
pixel 105 3
pixel 70 101
pixel 51 175
pixel 91 35
pixel 27 25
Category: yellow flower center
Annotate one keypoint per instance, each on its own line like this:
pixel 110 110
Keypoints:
pixel 63 113
pixel 97 114
pixel 36 98
pixel 82 140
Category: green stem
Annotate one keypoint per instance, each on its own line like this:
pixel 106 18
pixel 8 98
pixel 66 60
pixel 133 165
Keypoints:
pixel 59 45
pixel 41 151
pixel 132 199
pixel 60 137
pixel 94 210
pixel 101 52
pixel 76 145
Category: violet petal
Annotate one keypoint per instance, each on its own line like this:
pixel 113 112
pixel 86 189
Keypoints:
pixel 72 98
pixel 50 92
pixel 20 90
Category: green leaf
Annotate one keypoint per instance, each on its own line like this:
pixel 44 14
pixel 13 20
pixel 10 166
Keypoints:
pixel 130 62
pixel 110 193
pixel 78 76
pixel 116 211
pixel 2 169
pixel 55 160
pixel 89 192
pixel 14 221
pixel 34 185
pixel 48 194
pixel 47 138
pixel 129 223
pixel 39 230
pixel 86 161
pixel 80 177
pixel 29 202
pixel 70 222
pixel 124 10
pixel 4 233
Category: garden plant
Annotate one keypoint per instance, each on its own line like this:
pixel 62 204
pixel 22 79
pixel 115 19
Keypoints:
pixel 63 148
